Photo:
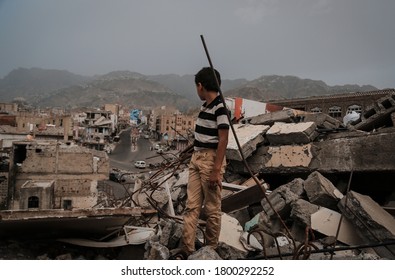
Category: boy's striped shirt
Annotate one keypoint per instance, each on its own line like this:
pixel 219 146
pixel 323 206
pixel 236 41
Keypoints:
pixel 211 118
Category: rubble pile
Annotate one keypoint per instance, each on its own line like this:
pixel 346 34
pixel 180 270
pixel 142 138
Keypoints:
pixel 298 217
pixel 313 205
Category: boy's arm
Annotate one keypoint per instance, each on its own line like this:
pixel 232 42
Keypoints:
pixel 215 177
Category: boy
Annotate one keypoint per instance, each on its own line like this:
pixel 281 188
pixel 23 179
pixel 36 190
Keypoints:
pixel 207 163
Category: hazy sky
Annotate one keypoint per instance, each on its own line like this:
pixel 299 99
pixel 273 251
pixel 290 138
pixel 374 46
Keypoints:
pixel 337 41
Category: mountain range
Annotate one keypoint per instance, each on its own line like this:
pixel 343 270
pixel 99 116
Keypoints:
pixel 60 88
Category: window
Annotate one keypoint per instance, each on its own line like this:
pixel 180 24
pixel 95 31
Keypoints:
pixel 67 204
pixel 354 108
pixel 335 112
pixel 316 110
pixel 20 153
pixel 33 202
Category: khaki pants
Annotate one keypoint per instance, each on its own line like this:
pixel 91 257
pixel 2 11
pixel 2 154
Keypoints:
pixel 198 194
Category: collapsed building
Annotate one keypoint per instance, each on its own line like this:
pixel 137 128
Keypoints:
pixel 53 189
pixel 319 187
pixel 297 185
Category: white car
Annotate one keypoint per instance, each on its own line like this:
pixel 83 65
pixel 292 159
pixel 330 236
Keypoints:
pixel 140 164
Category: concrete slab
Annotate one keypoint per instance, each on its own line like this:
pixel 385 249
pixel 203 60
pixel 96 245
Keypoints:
pixel 326 221
pixel 291 133
pixel 249 137
pixel 231 231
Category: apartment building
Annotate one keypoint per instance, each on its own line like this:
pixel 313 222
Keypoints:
pixel 176 130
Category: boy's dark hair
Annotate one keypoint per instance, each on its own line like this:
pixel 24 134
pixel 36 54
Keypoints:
pixel 206 78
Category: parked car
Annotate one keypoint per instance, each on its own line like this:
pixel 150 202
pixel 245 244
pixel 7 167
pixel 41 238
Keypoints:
pixel 116 176
pixel 140 164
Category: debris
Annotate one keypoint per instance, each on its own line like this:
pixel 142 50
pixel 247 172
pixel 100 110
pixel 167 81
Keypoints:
pixel 131 236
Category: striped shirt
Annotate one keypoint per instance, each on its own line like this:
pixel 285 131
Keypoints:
pixel 211 118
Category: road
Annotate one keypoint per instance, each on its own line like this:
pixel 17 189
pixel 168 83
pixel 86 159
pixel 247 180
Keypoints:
pixel 125 154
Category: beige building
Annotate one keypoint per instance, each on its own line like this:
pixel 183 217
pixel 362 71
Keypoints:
pixel 113 108
pixel 45 124
pixel 52 175
pixel 175 126
pixel 8 107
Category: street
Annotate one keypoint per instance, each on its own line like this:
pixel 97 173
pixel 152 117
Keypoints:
pixel 125 154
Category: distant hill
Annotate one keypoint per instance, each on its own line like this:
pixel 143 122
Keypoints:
pixel 276 87
pixel 131 92
pixel 36 83
pixel 185 85
pixel 54 88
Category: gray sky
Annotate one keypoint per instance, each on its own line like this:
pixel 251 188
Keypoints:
pixel 337 41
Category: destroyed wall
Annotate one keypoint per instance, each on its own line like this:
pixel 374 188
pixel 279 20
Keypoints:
pixel 37 195
pixel 75 171
pixel 3 189
pixel 346 152
pixel 82 193
pixel 298 143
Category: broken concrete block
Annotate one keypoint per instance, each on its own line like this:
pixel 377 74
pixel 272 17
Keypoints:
pixel 322 120
pixel 250 242
pixel 182 179
pixel 374 224
pixel 166 232
pixel 243 198
pixel 176 235
pixel 283 159
pixel 171 233
pixel 326 221
pixel 156 251
pixel 291 133
pixel 379 114
pixel 159 195
pixel 287 156
pixel 286 116
pixel 249 136
pixel 231 231
pixel 357 151
pixel 301 212
pixel 296 186
pixel 205 253
pixel 281 200
pixel 321 191
pixel 227 252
